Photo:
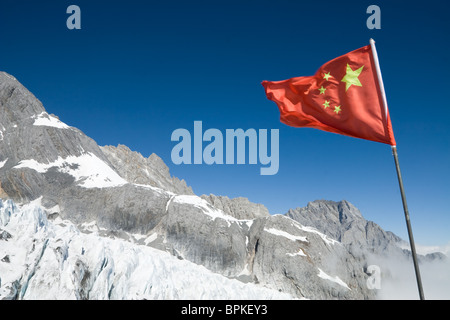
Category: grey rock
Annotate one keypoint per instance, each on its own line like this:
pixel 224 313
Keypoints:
pixel 218 244
pixel 365 241
pixel 5 235
pixel 134 168
pixel 22 140
pixel 240 208
pixel 435 256
pixel 343 221
pixel 294 264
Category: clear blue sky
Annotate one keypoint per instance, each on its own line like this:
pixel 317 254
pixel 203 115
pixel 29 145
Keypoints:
pixel 137 70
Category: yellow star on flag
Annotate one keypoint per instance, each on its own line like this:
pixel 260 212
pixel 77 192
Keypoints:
pixel 351 77
pixel 337 109
pixel 322 90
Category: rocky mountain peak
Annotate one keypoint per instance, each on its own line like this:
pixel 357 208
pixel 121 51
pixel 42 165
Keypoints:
pixel 340 211
pixel 330 217
pixel 17 104
pixel 240 208
pixel 137 169
pixel 344 222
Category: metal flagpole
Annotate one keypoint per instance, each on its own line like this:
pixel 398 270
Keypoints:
pixel 408 224
pixel 399 176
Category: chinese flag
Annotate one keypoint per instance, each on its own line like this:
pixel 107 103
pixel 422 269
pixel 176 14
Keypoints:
pixel 343 97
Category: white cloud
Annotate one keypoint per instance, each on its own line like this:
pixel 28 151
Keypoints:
pixel 398 279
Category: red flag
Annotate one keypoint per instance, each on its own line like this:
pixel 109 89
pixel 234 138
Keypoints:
pixel 343 97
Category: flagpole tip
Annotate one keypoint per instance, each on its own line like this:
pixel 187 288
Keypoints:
pixel 372 41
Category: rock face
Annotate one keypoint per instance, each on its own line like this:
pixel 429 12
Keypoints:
pixel 240 208
pixel 313 252
pixel 343 221
pixel 29 133
pixel 152 171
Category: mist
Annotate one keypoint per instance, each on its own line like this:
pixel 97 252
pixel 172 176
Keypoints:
pixel 398 279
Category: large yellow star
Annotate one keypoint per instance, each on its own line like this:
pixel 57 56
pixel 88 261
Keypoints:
pixel 351 77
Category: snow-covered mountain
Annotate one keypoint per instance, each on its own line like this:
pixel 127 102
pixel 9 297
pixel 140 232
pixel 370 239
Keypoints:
pixel 83 221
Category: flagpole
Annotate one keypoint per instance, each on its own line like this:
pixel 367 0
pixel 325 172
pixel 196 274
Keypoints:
pixel 408 223
pixel 399 176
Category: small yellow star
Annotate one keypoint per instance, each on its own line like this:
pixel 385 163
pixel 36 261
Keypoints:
pixel 322 90
pixel 326 76
pixel 326 104
pixel 337 109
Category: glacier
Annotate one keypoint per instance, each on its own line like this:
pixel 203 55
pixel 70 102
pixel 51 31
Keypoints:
pixel 43 258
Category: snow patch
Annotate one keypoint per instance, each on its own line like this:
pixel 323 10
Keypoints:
pixel 285 234
pixel 299 253
pixel 138 236
pixel 2 163
pixel 299 226
pixel 159 190
pixel 46 120
pixel 90 227
pixel 168 202
pixel 335 279
pixel 32 164
pixel 151 238
pixel 324 237
pixel 54 209
pixel 205 207
pixel 246 271
pixel 88 170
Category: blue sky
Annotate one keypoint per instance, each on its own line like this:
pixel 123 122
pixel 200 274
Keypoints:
pixel 138 70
